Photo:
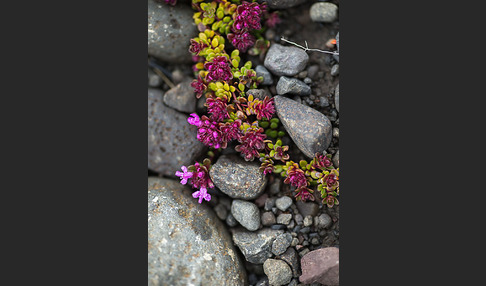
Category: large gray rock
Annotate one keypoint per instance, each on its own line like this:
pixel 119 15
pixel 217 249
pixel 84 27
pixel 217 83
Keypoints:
pixel 170 30
pixel 321 265
pixel 277 271
pixel 336 97
pixel 181 97
pixel 256 246
pixel 238 178
pixel 283 4
pixel 246 213
pixel 285 60
pixel 172 141
pixel 187 243
pixel 323 12
pixel 310 130
pixel 292 85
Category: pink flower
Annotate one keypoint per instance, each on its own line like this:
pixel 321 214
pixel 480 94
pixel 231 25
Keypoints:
pixel 242 40
pixel 272 20
pixel 218 70
pixel 184 175
pixel 194 120
pixel 251 143
pixel 209 133
pixel 217 108
pixel 199 87
pixel 201 177
pixel 202 194
pixel 248 16
pixel 196 47
pixel 230 131
pixel 264 109
pixel 322 161
pixel 171 2
pixel 304 194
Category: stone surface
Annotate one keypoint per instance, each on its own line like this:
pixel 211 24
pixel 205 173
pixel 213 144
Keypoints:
pixel 259 93
pixel 277 271
pixel 335 159
pixel 310 130
pixel 283 203
pixel 292 85
pixel 263 72
pixel 268 218
pixel 291 257
pixel 238 178
pixel 281 243
pixel 323 12
pixel 284 218
pixel 170 30
pixel 246 213
pixel 172 141
pixel 323 221
pixel 336 97
pixel 255 246
pixel 153 79
pixel 307 208
pixel 335 70
pixel 181 97
pixel 285 60
pixel 186 240
pixel 321 265
pixel 283 4
pixel 308 220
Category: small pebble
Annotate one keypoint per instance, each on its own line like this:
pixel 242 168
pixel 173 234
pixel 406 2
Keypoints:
pixel 268 218
pixel 221 211
pixel 308 221
pixel 283 203
pixel 231 221
pixel 299 219
pixel 304 251
pixel 291 224
pixel 269 204
pixel 307 80
pixel 315 241
pixel 294 242
pixel 335 132
pixel 284 219
pixel 335 70
pixel 278 226
pixel 305 230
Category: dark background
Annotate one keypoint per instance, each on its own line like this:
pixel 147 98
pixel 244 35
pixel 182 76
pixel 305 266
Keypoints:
pixel 74 134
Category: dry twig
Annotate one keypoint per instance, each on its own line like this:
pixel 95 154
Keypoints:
pixel 306 48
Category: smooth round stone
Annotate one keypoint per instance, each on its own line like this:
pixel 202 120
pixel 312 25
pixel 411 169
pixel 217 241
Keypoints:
pixel 285 60
pixel 292 85
pixel 283 4
pixel 283 203
pixel 246 213
pixel 261 71
pixel 323 12
pixel 170 29
pixel 277 271
pixel 238 178
pixel 181 97
pixel 187 242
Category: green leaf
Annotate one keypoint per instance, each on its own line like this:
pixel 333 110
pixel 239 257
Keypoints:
pixel 278 169
pixel 264 124
pixel 275 119
pixel 248 64
pixel 273 125
pixel 235 53
pixel 270 145
pixel 237 74
pixel 227 19
pixel 220 13
pixel 272 153
pixel 273 134
pixel 241 87
pixel 278 143
pixel 281 134
pixel 303 164
pixel 235 63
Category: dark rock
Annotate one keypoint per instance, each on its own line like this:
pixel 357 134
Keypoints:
pixel 238 178
pixel 169 31
pixel 172 141
pixel 309 129
pixel 175 223
pixel 321 265
pixel 269 204
pixel 256 246
pixel 335 70
pixel 278 226
pixel 181 97
pixel 231 221
pixel 292 85
pixel 335 159
pixel 263 72
pixel 153 79
pixel 285 61
pixel 277 271
pixel 307 208
pixel 259 93
pixel 290 256
pixel 283 203
pixel 268 218
pixel 246 213
pixel 281 243
pixel 323 12
pixel 221 211
pixel 336 97
pixel 283 4
pixel 275 186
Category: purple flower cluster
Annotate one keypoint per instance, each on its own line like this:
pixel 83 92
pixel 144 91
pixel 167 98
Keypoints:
pixel 264 109
pixel 218 69
pixel 196 47
pixel 199 180
pixel 251 144
pixel 214 134
pixel 247 18
pixel 217 108
pixel 199 87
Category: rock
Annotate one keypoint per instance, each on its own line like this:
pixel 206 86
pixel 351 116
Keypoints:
pixel 170 30
pixel 336 57
pixel 259 93
pixel 153 79
pixel 269 204
pixel 335 159
pixel 281 243
pixel 172 141
pixel 323 12
pixel 285 61
pixel 321 265
pixel 275 186
pixel 307 208
pixel 283 4
pixel 323 221
pixel 283 203
pixel 336 97
pixel 246 213
pixel 221 211
pixel 323 101
pixel 176 222
pixel 310 130
pixel 255 246
pixel 263 72
pixel 231 221
pixel 238 178
pixel 284 219
pixel 287 85
pixel 277 271
pixel 335 132
pixel 268 218
pixel 312 71
pixel 335 70
pixel 299 219
pixel 290 256
pixel 181 97
pixel 308 220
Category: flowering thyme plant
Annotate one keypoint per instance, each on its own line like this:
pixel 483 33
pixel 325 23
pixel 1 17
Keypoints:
pixel 233 113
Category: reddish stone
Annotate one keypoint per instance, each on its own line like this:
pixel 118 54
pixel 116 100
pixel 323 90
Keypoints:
pixel 322 266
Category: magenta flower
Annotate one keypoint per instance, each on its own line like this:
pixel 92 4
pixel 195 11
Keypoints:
pixel 272 20
pixel 209 133
pixel 230 131
pixel 201 177
pixel 248 16
pixel 171 2
pixel 296 177
pixel 322 161
pixel 199 87
pixel 184 175
pixel 264 109
pixel 202 194
pixel 194 120
pixel 304 194
pixel 196 47
pixel 218 70
pixel 217 108
pixel 251 143
pixel 242 40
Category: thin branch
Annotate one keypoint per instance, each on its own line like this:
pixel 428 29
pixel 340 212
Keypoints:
pixel 164 77
pixel 306 48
